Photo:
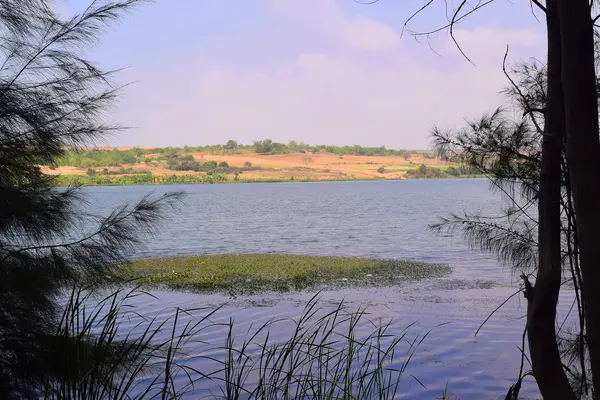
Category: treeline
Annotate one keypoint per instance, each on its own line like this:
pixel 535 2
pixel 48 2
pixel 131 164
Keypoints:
pixel 173 158
pixel 104 179
pixel 100 158
pixel 268 146
pixel 425 172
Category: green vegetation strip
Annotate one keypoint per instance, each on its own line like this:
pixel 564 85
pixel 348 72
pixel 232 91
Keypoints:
pixel 252 273
pixel 149 179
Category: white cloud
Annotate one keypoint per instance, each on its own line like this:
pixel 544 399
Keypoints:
pixel 368 34
pixel 327 19
pixel 342 94
pixel 489 45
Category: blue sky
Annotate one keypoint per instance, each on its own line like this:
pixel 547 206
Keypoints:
pixel 318 71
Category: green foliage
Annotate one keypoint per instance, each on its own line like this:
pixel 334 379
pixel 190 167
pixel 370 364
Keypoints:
pixel 381 169
pixel 120 171
pixel 223 164
pixel 361 151
pixel 231 145
pixel 265 272
pixel 98 158
pixel 267 146
pixel 425 172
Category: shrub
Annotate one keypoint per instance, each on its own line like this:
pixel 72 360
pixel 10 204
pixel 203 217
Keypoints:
pixel 381 169
pixel 452 171
pixel 306 159
pixel 426 172
pixel 223 164
pixel 248 164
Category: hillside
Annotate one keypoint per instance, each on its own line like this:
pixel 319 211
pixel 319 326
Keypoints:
pixel 186 165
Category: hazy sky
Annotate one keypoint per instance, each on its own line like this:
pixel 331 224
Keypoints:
pixel 318 71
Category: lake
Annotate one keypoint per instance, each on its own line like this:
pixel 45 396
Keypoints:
pixel 382 219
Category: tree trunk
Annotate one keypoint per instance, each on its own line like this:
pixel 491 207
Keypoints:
pixel 583 155
pixel 542 299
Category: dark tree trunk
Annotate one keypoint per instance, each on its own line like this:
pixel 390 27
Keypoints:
pixel 542 299
pixel 583 155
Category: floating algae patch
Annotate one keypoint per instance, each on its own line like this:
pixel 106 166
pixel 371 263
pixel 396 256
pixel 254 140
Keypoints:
pixel 253 273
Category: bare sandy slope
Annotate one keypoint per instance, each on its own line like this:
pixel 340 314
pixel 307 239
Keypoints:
pixel 316 165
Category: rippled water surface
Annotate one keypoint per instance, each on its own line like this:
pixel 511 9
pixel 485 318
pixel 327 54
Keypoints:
pixel 385 219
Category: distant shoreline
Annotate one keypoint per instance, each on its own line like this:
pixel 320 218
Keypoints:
pixel 76 180
pixel 191 166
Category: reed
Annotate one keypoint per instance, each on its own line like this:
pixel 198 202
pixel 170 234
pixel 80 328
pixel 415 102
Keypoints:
pixel 329 353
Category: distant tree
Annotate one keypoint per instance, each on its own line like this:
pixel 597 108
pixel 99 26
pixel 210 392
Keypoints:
pixel 381 169
pixel 306 159
pixel 358 150
pixel 423 169
pixel 406 155
pixel 231 145
pixel 248 164
pixel 263 146
pixel 51 97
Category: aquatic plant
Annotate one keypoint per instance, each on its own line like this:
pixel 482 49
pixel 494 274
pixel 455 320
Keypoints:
pixel 251 273
pixel 322 357
pixel 120 362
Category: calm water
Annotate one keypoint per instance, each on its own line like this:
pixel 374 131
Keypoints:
pixel 366 219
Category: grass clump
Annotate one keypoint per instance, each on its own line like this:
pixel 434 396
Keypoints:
pixel 116 363
pixel 251 273
pixel 325 353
